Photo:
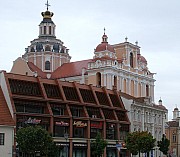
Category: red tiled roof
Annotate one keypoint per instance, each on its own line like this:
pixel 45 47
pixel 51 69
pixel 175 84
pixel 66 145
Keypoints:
pixel 70 69
pixel 104 46
pixel 5 115
pixel 142 58
pixel 36 69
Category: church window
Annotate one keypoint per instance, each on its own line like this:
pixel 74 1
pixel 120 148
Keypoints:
pixel 125 89
pixel 132 87
pixel 139 116
pixel 47 48
pixel 98 79
pixel 49 30
pixel 47 65
pixel 41 30
pixel 131 59
pixel 44 29
pixel 115 81
pixel 174 137
pixel 147 90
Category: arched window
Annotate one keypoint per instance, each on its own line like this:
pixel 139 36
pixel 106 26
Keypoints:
pixel 131 59
pixel 98 79
pixel 32 49
pixel 147 90
pixel 47 48
pixel 115 81
pixel 47 65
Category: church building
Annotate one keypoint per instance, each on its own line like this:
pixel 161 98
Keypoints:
pixel 116 82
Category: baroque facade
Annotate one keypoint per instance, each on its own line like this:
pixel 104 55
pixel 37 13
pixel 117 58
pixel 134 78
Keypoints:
pixel 118 67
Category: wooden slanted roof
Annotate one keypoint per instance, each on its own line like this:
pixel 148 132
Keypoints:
pixel 5 115
pixel 74 94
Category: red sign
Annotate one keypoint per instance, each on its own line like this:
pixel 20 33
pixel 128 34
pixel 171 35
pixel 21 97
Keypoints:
pixel 62 123
pixel 97 125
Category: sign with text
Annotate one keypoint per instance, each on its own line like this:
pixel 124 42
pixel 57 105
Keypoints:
pixel 62 123
pixel 97 125
pixel 79 124
pixel 32 121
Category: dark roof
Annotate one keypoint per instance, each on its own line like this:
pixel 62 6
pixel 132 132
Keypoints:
pixel 173 123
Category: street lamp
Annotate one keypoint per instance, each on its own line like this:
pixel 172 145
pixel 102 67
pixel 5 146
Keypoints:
pixel 66 137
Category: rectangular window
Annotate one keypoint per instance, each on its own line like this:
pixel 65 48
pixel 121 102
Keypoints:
pixel 2 135
pixel 44 29
pixel 49 30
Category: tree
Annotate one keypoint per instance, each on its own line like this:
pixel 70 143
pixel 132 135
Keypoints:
pixel 98 145
pixel 140 142
pixel 164 145
pixel 33 139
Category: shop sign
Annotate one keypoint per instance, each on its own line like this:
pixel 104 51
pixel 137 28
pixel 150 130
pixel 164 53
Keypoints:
pixel 62 123
pixel 111 146
pixel 97 125
pixel 62 144
pixel 33 121
pixel 79 124
pixel 80 145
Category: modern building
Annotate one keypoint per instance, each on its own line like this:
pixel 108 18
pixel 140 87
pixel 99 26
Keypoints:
pixel 67 108
pixel 119 67
pixel 7 126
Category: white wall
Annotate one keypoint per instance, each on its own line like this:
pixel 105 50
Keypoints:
pixel 6 150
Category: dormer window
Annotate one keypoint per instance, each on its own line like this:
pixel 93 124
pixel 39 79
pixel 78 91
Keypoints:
pixel 47 65
pixel 131 60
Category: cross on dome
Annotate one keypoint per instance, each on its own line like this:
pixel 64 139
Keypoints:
pixel 47 4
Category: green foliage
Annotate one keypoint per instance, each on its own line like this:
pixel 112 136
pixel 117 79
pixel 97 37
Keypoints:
pixel 98 145
pixel 164 145
pixel 35 139
pixel 137 142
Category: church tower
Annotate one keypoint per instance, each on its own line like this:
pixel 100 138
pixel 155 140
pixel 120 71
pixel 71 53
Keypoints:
pixel 46 52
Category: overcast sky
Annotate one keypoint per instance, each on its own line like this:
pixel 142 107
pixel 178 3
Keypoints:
pixel 155 24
